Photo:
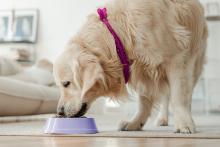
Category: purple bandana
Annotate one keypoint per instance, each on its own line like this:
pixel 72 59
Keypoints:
pixel 119 46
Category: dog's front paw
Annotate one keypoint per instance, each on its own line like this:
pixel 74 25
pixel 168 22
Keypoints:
pixel 186 128
pixel 131 126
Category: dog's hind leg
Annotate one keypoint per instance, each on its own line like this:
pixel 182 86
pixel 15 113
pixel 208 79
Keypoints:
pixel 145 106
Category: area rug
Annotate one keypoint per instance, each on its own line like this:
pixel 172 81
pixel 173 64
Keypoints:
pixel 208 127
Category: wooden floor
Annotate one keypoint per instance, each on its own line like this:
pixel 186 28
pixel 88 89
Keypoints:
pixel 13 141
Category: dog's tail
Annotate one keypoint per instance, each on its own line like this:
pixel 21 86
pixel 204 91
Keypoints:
pixel 190 15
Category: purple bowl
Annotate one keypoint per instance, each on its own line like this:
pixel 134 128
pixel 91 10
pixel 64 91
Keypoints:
pixel 70 126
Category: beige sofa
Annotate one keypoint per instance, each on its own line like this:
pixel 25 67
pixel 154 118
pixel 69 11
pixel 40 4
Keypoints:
pixel 26 91
pixel 22 98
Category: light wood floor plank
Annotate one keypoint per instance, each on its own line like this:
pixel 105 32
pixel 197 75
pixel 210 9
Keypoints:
pixel 12 141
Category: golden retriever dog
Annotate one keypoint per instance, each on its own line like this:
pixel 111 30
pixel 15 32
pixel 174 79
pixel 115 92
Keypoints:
pixel 165 42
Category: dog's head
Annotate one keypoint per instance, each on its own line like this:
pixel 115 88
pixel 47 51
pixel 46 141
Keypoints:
pixel 81 79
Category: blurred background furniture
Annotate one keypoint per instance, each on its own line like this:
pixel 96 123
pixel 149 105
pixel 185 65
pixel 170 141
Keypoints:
pixel 27 91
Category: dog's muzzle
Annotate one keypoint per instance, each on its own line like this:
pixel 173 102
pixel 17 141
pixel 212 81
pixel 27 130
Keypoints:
pixel 82 111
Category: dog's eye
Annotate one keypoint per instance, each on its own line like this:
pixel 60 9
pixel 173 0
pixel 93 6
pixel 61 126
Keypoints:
pixel 66 84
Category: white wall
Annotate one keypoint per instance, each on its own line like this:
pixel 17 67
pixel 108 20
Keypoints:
pixel 59 20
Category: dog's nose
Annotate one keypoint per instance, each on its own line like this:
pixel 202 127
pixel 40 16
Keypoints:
pixel 61 111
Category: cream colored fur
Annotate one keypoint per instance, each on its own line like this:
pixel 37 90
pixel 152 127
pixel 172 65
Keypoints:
pixel 165 41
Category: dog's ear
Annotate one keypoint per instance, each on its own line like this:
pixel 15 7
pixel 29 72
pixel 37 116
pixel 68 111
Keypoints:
pixel 93 81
